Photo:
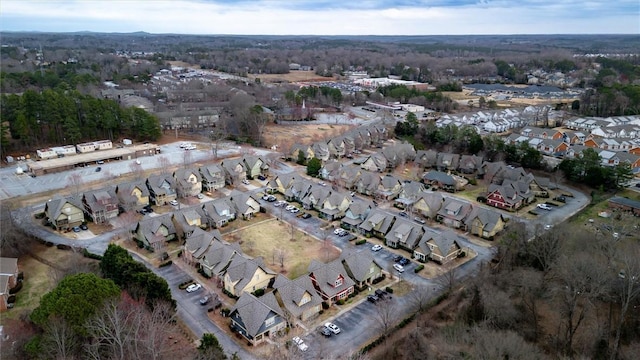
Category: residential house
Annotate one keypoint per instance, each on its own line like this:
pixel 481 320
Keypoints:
pixel 197 244
pixel 541 133
pixel 552 147
pixel 361 267
pixel 234 170
pixel 377 224
pixel 398 154
pixel 410 192
pixel 336 147
pixel 298 190
pixel 334 206
pixel 255 166
pixel 426 158
pixel 447 161
pixel 356 213
pixel 8 279
pixel 375 162
pixel 315 196
pixel 321 151
pixel 186 220
pixel 213 177
pixel 307 152
pixel 219 212
pixel 330 280
pixel 217 258
pixel 470 164
pixel 510 196
pixel 280 183
pixel 246 275
pixel 428 204
pixel 366 183
pixel 440 180
pixel 162 189
pixel 101 205
pixel 188 182
pixel 441 248
pixel 485 223
pixel 298 297
pixel 256 319
pixel 155 232
pixel 330 170
pixel 404 234
pixel 64 213
pixel 453 213
pixel 132 196
pixel 574 138
pixel 389 187
pixel 246 204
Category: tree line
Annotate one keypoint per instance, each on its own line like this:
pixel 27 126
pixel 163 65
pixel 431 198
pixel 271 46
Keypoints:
pixel 63 116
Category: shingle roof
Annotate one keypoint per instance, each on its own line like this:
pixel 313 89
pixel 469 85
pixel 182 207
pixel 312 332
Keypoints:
pixel 327 274
pixel 254 311
pixel 291 293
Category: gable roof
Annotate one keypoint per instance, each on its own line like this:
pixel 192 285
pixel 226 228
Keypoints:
pixel 149 226
pixel 254 311
pixel 199 241
pixel 327 274
pixel 219 255
pixel 55 206
pixel 162 184
pixel 291 293
pixel 358 264
pixel 488 218
pixel 242 269
pixel 125 190
pixel 405 232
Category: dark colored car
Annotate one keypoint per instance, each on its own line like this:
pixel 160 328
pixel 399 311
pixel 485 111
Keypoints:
pixel 148 209
pixel 260 177
pixel 324 331
pixel 372 298
pixel 404 261
pixel 98 169
pixel 305 216
pixel 380 293
pixel 84 227
pixel 404 214
pixel 561 199
pixel 76 229
pixel 397 258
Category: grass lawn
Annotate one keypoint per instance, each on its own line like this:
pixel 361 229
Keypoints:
pixel 599 204
pixel 264 238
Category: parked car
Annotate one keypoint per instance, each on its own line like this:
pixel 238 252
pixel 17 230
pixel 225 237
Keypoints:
pixel 174 202
pixel 376 247
pixel 380 293
pixel 325 331
pixel 404 261
pixel 205 300
pixel 193 287
pixel 148 208
pixel 261 177
pixel 84 227
pixel 100 162
pixel 300 344
pixel 280 203
pixel 290 207
pixel 404 214
pixel 98 169
pixel 418 220
pixel 76 229
pixel 143 211
pixel 271 198
pixel 398 267
pixel 338 231
pixel 245 181
pixel 544 207
pixel 560 199
pixel 372 298
pixel 305 215
pixel 295 210
pixel 397 258
pixel 322 183
pixel 333 327
pixel 200 196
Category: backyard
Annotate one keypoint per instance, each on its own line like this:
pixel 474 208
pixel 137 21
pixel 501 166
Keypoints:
pixel 283 247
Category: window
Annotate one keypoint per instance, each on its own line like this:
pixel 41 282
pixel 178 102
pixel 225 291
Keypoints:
pixel 270 321
pixel 338 282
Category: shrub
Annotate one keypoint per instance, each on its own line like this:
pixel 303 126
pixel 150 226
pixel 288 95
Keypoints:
pixel 389 290
pixel 209 309
pixel 180 253
pixel 406 321
pixel 325 306
pixel 258 292
pixel 89 255
pixel 462 254
pixel 418 268
pixel 340 302
pixel 473 181
pixel 16 288
pixel 225 312
pixel 166 263
pixel 361 242
pixel 20 276
pixel 184 285
pixel 63 247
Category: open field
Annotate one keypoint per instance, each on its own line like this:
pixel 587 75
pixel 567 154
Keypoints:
pixel 292 76
pixel 264 238
pixel 304 133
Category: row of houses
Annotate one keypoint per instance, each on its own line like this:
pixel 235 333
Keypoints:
pixel 257 318
pixel 500 120
pixel 66 150
pixel 345 145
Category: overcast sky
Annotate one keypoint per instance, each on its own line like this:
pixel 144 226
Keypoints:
pixel 326 17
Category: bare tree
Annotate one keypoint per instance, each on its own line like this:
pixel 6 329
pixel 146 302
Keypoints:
pixel 626 289
pixel 218 133
pixel 164 163
pixel 136 170
pixel 447 277
pixel 547 246
pixel 186 158
pixel 282 256
pixel 59 339
pixel 530 287
pixel 385 315
pixel 76 182
pixel 420 296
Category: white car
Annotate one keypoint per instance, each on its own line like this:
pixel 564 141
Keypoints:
pixel 200 196
pixel 398 267
pixel 279 203
pixel 173 202
pixel 193 287
pixel 376 247
pixel 333 327
pixel 544 206
pixel 295 210
pixel 245 181
pixel 300 344
pixel 290 207
pixel 338 231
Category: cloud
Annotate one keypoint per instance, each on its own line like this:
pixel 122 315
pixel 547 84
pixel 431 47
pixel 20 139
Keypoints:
pixel 325 17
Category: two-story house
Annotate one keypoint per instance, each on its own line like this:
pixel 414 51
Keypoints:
pixel 439 247
pixel 213 177
pixel 246 275
pixel 186 220
pixel 8 279
pixel 256 319
pixel 404 234
pixel 453 213
pixel 64 213
pixel 197 243
pixel 155 232
pixel 428 204
pixel 101 205
pixel 330 280
pixel 361 267
pixel 234 170
pixel 219 212
pixel 188 182
pixel 162 189
pixel 334 206
pixel 485 223
pixel 356 213
pixel 377 224
pixel 298 297
pixel 246 204
pixel 255 166
pixel 132 195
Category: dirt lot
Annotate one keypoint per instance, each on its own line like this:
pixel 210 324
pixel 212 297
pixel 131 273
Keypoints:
pixel 293 76
pixel 304 133
pixel 263 238
pixel 463 97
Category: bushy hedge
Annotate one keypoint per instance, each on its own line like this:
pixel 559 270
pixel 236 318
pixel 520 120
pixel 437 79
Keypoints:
pixel 418 268
pixel 184 285
pixel 16 288
pixel 258 292
pixel 361 242
pixel 166 263
pixel 389 290
pixel 89 255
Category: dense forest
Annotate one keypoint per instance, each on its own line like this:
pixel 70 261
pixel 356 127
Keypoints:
pixel 60 117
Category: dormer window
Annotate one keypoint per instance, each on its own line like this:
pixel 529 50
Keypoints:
pixel 338 282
